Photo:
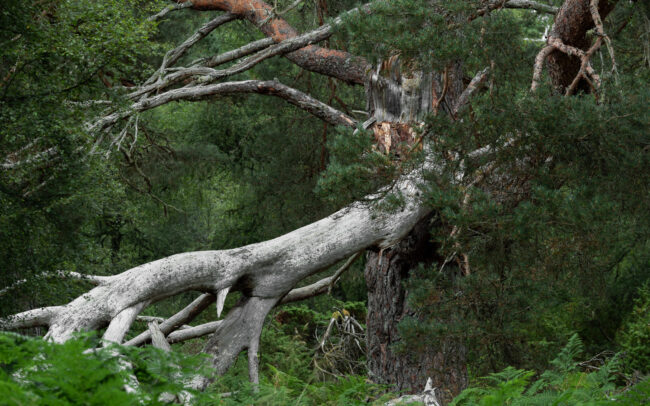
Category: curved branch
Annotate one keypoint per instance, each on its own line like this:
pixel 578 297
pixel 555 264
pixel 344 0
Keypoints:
pixel 184 316
pixel 572 22
pixel 319 287
pixel 174 55
pixel 268 87
pixel 162 13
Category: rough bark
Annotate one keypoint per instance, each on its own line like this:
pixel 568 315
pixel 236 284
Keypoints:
pixel 267 87
pixel 339 64
pixel 400 99
pixel 572 22
pixel 386 273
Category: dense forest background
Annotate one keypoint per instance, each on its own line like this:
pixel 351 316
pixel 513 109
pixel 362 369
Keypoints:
pixel 559 277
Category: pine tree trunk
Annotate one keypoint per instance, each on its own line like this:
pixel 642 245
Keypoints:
pixel 386 273
pixel 399 101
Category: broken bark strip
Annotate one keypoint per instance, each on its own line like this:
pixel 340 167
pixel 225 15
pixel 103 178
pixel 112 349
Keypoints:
pixel 268 87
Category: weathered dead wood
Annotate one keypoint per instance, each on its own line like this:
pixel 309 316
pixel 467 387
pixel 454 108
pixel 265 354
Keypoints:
pixel 158 339
pixel 173 7
pixel 175 54
pixel 94 279
pixel 193 332
pixel 319 287
pixel 268 87
pixel 121 323
pixel 184 316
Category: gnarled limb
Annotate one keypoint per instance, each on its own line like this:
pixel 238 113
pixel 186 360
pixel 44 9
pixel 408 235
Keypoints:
pixel 572 22
pixel 338 64
pixel 268 87
pixel 184 316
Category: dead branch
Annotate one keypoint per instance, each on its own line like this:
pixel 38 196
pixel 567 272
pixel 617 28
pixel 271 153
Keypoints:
pixel 317 288
pixel 338 64
pixel 94 279
pixel 184 316
pixel 173 7
pixel 269 87
pixel 175 54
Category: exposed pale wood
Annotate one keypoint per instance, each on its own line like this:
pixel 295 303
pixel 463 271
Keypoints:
pixel 184 316
pixel 158 338
pixel 30 318
pixel 94 279
pixel 121 323
pixel 193 332
pixel 320 286
pixel 268 87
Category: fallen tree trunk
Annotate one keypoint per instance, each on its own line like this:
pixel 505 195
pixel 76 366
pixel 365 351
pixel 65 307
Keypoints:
pixel 263 272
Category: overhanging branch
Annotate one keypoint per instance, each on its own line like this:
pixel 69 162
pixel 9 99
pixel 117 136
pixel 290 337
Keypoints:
pixel 268 87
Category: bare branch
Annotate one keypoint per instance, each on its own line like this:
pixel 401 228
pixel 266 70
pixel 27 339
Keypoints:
pixel 475 83
pixel 184 316
pixel 317 288
pixel 531 5
pixel 239 52
pixel 40 156
pixel 94 279
pixel 149 319
pixel 158 338
pixel 193 332
pixel 269 87
pixel 121 323
pixel 211 75
pixel 172 56
pixel 539 66
pixel 172 7
pixel 338 64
